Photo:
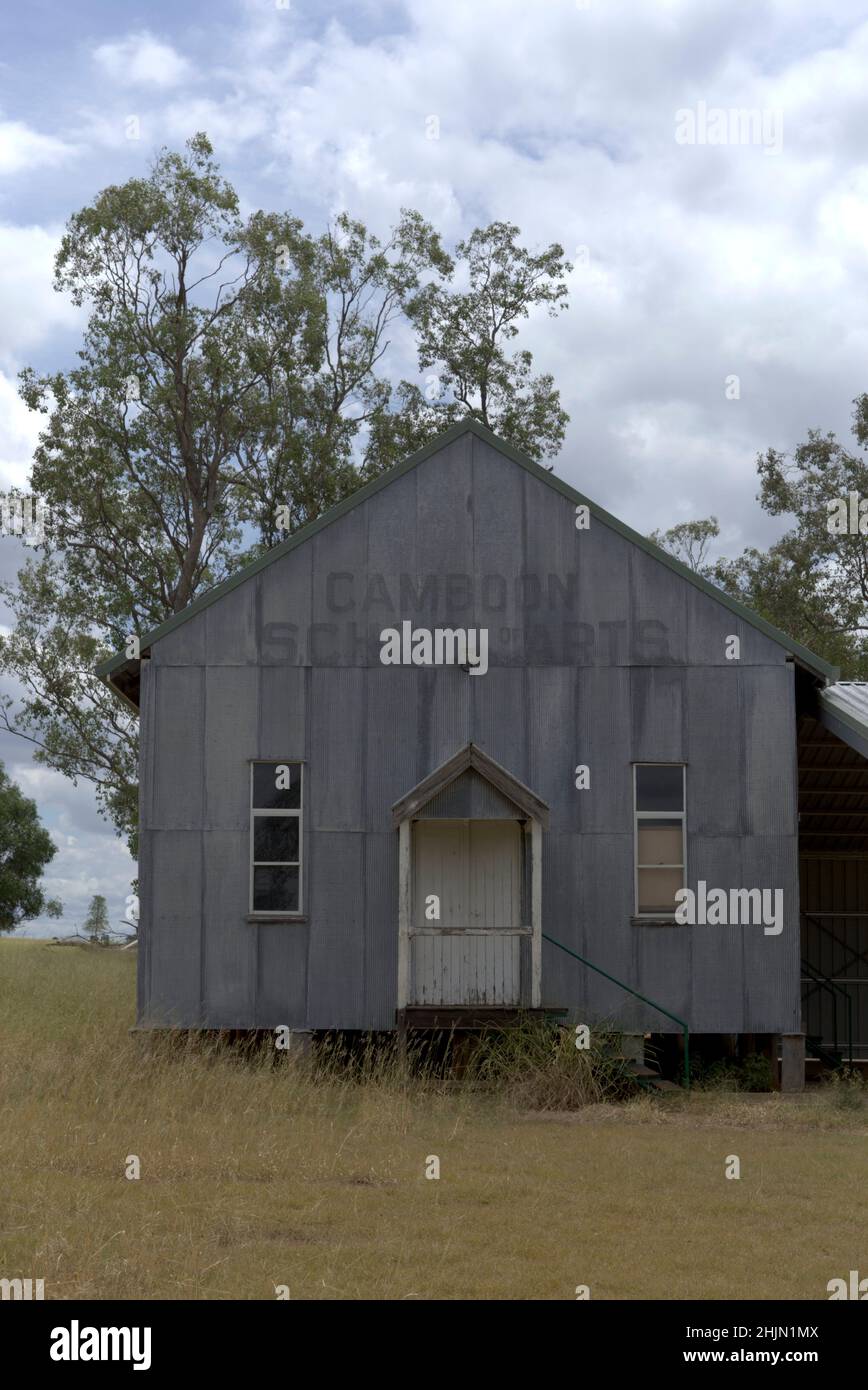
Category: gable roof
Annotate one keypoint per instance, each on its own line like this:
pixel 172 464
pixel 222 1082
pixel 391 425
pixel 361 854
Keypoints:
pixel 112 671
pixel 470 756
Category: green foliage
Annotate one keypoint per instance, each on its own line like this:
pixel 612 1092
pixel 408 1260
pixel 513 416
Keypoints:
pixel 847 1089
pixel 78 726
pixel 25 848
pixel 813 583
pixel 538 1067
pixel 689 542
pixel 96 923
pixel 721 1075
pixel 464 337
pixel 756 1073
pixel 750 1073
pixel 229 389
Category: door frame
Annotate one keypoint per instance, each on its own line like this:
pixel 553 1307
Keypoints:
pixel 405 907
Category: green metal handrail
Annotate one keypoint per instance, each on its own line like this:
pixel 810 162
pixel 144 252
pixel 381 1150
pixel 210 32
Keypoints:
pixel 827 979
pixel 645 1000
pixel 821 981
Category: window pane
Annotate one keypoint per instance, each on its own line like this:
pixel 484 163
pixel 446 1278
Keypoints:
pixel 275 839
pixel 275 890
pixel 659 788
pixel 277 786
pixel 657 889
pixel 660 842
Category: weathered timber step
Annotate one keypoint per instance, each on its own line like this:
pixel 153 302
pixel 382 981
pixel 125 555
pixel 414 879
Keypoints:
pixel 649 1077
pixel 470 1017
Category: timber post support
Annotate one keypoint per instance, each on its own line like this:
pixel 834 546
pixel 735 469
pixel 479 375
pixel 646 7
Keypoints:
pixel 792 1062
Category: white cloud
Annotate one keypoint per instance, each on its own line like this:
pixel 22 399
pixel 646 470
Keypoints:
pixel 33 311
pixel 141 60
pixel 23 149
pixel 19 431
pixel 705 261
pixel 229 122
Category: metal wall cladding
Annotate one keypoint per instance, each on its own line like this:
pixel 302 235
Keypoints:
pixel 471 797
pixel 599 656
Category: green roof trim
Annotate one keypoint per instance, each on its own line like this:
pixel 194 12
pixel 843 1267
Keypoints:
pixel 807 658
pixel 844 707
pixel 831 714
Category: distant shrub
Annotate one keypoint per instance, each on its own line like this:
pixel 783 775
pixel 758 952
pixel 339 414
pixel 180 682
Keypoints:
pixel 722 1075
pixel 750 1073
pixel 846 1089
pixel 538 1067
pixel 756 1073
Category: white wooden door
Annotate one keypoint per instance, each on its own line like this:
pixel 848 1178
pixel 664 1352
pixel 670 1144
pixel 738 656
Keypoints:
pixel 466 930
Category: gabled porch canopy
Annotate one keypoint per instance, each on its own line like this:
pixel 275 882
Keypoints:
pixel 471 758
pixel 499 965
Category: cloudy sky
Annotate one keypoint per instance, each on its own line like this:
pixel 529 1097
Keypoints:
pixel 702 161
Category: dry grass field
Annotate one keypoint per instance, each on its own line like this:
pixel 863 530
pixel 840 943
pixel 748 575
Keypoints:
pixel 254 1176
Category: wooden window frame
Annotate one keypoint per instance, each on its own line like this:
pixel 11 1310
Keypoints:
pixel 276 914
pixel 638 816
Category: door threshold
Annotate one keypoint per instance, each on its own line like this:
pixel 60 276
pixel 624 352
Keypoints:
pixel 469 1016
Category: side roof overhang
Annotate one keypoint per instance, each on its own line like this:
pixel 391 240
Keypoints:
pixel 470 756
pixel 843 710
pixel 121 672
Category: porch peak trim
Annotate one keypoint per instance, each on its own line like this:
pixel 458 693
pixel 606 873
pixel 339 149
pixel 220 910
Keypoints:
pixel 470 756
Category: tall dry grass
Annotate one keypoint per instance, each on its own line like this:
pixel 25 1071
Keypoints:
pixel 257 1171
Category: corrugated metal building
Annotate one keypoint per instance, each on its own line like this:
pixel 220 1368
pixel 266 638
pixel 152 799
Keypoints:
pixel 463 721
